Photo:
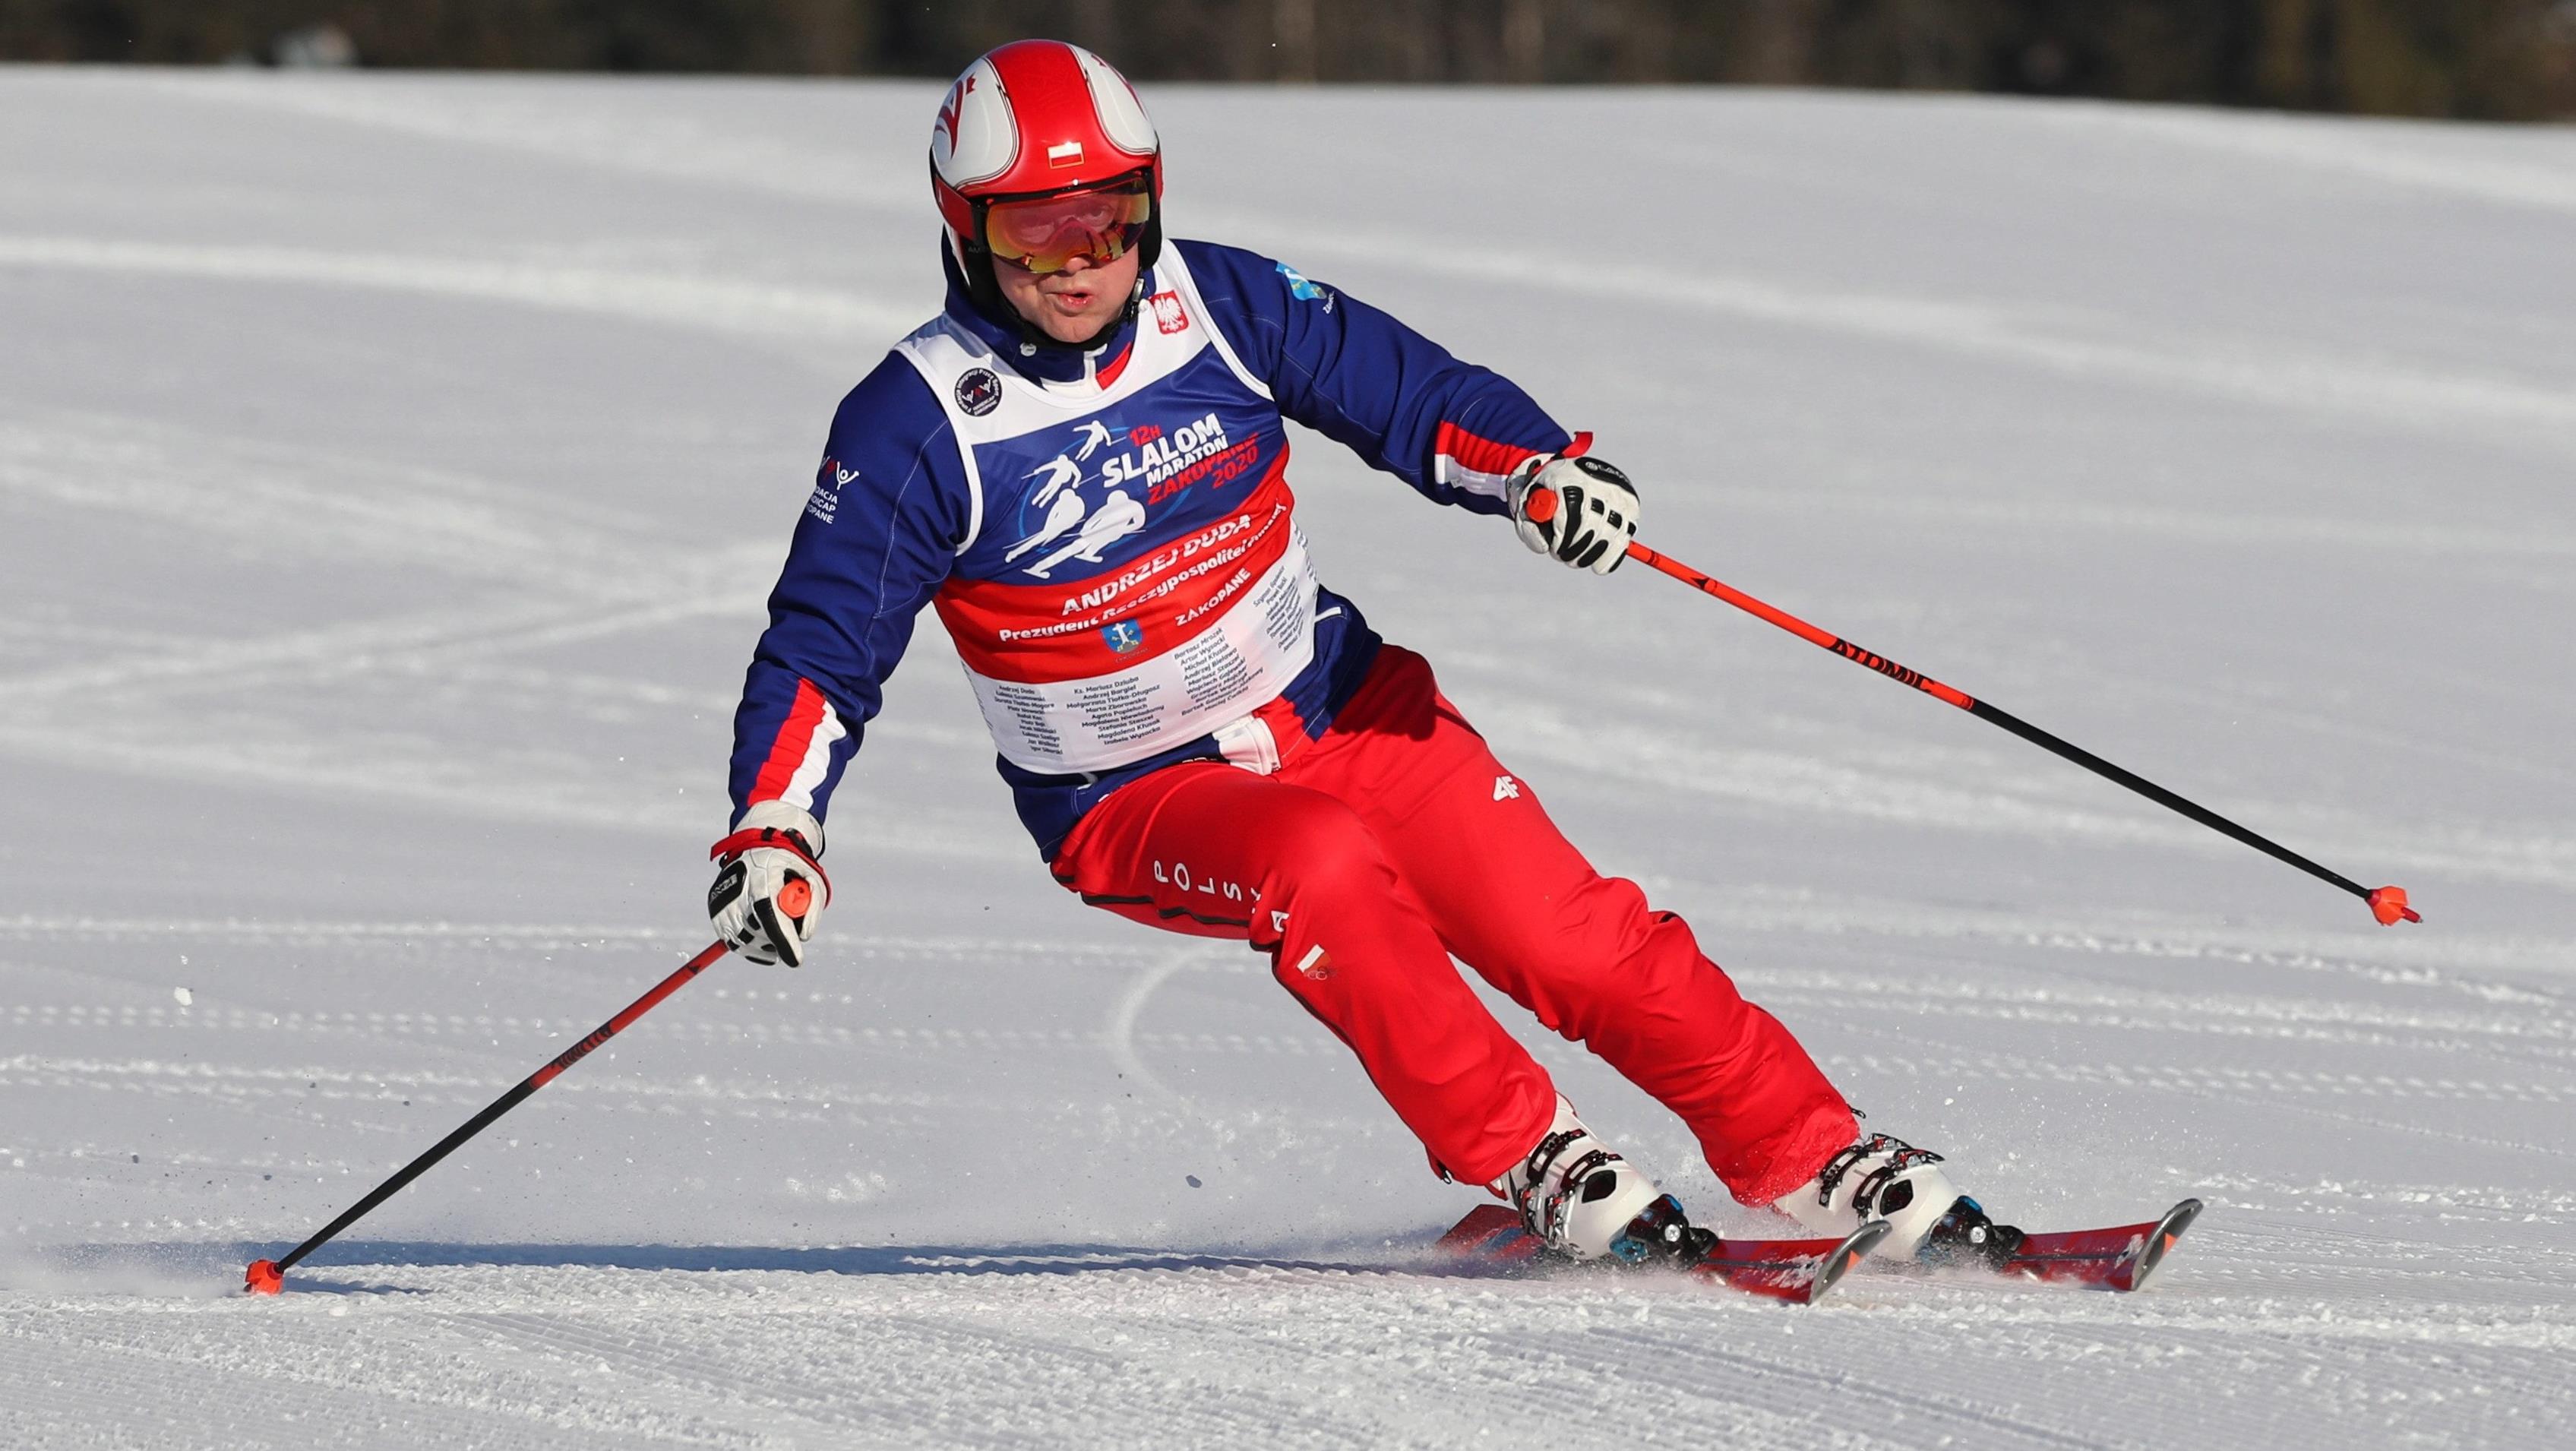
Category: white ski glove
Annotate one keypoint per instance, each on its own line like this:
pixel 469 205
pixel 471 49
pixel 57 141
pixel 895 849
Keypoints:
pixel 770 886
pixel 1580 510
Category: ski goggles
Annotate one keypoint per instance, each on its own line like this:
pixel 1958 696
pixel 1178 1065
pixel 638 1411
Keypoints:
pixel 1099 224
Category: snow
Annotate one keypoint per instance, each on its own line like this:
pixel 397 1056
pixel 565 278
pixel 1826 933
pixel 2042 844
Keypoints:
pixel 392 467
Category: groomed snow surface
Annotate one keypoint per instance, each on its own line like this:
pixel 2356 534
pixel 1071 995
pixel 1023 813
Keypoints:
pixel 391 470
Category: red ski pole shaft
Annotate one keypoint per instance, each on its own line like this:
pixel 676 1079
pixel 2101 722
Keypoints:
pixel 2388 904
pixel 268 1277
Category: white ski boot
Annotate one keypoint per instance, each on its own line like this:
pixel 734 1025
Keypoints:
pixel 1587 1203
pixel 1886 1178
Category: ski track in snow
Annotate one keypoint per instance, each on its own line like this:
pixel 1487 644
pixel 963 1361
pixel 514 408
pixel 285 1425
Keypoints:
pixel 381 538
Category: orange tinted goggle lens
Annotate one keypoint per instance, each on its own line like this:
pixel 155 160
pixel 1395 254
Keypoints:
pixel 1044 234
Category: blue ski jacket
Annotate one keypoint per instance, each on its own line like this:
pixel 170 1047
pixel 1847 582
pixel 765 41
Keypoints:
pixel 1108 533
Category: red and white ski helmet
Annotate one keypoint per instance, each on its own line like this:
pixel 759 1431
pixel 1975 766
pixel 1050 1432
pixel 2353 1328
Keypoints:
pixel 1032 118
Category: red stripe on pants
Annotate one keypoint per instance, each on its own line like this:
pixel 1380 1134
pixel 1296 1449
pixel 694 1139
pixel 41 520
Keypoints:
pixel 1396 840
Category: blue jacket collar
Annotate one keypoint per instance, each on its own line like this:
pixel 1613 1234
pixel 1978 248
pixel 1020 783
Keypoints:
pixel 1030 352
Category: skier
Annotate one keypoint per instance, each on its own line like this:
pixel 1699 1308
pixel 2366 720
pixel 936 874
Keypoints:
pixel 1203 738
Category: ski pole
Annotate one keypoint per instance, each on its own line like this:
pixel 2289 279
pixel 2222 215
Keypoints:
pixel 2388 904
pixel 268 1277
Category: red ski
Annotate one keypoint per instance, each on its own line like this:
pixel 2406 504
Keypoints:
pixel 2109 1259
pixel 1800 1271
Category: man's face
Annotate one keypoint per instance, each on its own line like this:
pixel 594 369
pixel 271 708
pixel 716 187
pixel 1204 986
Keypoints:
pixel 1073 305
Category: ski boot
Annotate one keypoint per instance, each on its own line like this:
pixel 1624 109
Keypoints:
pixel 1886 1178
pixel 1586 1203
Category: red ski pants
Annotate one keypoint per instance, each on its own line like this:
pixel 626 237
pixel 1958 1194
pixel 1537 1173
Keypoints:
pixel 1396 840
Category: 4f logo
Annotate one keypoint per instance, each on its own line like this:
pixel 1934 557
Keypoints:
pixel 1506 789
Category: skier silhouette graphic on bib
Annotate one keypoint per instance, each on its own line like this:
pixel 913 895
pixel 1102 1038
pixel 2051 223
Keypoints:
pixel 1065 508
pixel 1061 478
pixel 1117 517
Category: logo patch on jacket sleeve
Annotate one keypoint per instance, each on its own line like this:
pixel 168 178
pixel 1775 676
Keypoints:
pixel 1169 315
pixel 978 392
pixel 1303 290
pixel 825 501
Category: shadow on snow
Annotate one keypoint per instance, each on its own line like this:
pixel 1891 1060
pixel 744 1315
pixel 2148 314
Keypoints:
pixel 113 1268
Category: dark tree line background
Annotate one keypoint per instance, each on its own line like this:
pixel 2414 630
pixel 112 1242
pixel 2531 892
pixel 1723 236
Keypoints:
pixel 2481 59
